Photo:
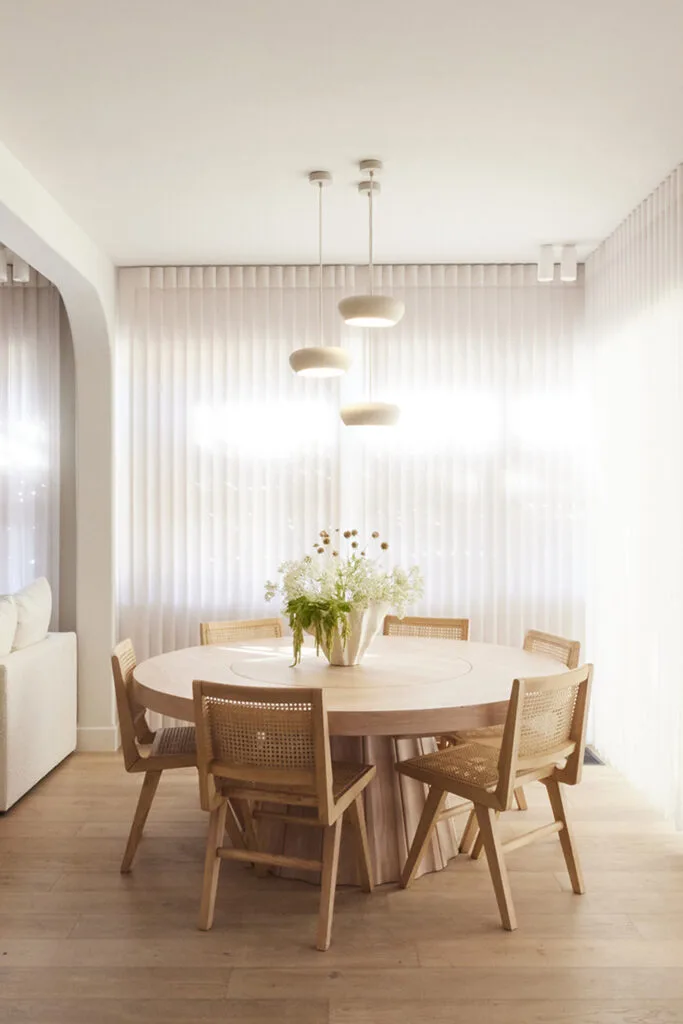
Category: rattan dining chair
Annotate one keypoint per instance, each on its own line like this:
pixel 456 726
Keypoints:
pixel 166 748
pixel 543 739
pixel 442 629
pixel 435 629
pixel 239 629
pixel 556 647
pixel 272 744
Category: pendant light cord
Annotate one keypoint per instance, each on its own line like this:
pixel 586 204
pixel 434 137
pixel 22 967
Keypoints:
pixel 320 259
pixel 368 345
pixel 370 230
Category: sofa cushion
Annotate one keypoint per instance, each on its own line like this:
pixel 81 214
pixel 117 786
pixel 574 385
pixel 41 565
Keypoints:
pixel 8 624
pixel 34 610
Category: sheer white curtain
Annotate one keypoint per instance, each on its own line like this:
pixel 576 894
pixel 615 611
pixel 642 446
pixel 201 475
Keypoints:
pixel 228 463
pixel 634 289
pixel 29 434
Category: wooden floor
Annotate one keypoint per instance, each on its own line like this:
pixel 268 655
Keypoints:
pixel 79 943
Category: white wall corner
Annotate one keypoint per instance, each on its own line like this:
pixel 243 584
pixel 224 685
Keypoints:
pixel 98 739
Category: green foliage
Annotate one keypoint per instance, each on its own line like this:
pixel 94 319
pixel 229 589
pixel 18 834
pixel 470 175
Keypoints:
pixel 324 619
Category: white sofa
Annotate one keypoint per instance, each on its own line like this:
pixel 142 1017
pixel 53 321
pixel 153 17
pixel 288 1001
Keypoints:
pixel 37 713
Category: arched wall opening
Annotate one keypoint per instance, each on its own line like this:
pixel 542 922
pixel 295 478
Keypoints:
pixel 34 226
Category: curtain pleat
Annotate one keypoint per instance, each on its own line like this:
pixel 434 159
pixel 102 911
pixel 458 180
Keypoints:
pixel 29 435
pixel 227 463
pixel 634 287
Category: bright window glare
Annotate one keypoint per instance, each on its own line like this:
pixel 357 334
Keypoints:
pixel 265 429
pixel 553 422
pixel 23 446
pixel 444 421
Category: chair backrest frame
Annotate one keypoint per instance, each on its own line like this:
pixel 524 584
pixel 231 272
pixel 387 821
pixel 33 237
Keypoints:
pixel 132 721
pixel 557 647
pixel 415 625
pixel 239 629
pixel 317 779
pixel 567 755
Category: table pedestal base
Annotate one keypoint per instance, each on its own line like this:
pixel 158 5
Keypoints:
pixel 393 805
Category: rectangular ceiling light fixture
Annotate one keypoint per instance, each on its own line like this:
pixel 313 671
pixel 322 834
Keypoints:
pixel 21 272
pixel 568 264
pixel 546 263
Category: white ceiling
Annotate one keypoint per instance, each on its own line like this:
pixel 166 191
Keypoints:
pixel 181 131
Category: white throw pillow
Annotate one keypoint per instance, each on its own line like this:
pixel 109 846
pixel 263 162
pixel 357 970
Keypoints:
pixel 34 609
pixel 8 624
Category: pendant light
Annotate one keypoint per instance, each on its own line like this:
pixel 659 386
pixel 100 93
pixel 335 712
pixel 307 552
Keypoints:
pixel 320 360
pixel 371 414
pixel 371 310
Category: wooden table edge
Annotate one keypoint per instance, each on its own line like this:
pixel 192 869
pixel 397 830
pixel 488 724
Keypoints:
pixel 402 722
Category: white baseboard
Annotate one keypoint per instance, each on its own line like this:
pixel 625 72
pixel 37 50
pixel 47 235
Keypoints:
pixel 98 738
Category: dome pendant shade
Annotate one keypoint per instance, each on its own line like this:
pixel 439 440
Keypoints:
pixel 371 414
pixel 322 361
pixel 371 310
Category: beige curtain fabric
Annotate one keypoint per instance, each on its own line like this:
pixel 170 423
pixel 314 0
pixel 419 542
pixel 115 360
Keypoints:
pixel 634 284
pixel 29 434
pixel 227 463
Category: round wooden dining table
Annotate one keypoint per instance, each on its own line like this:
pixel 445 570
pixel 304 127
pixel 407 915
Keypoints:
pixel 406 691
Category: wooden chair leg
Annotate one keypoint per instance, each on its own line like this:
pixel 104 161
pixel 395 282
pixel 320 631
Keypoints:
pixel 328 883
pixel 486 817
pixel 478 845
pixel 426 825
pixel 233 826
pixel 251 835
pixel 356 815
pixel 470 833
pixel 212 866
pixel 570 855
pixel 520 799
pixel 149 788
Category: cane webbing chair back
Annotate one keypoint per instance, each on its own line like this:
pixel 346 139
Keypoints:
pixel 441 629
pixel 273 738
pixel 132 721
pixel 557 647
pixel 545 727
pixel 547 717
pixel 242 629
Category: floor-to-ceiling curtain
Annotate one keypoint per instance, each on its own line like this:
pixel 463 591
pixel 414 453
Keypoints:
pixel 227 463
pixel 29 433
pixel 634 294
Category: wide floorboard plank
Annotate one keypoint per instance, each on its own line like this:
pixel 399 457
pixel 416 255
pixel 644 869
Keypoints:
pixel 80 943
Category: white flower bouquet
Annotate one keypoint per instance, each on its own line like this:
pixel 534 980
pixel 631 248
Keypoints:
pixel 322 593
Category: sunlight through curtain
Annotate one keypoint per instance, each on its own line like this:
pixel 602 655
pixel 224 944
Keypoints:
pixel 227 463
pixel 29 434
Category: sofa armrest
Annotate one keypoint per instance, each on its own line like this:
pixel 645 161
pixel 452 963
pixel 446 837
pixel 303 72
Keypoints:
pixel 38 692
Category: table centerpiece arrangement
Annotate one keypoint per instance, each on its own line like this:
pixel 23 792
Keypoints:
pixel 341 593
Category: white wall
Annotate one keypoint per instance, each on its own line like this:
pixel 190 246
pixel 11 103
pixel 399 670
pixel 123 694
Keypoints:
pixel 33 225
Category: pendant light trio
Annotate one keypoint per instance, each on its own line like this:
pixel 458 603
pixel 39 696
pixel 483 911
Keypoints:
pixel 367 311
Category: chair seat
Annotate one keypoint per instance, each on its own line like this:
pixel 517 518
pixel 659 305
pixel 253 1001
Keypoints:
pixel 174 742
pixel 344 776
pixel 488 735
pixel 472 763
